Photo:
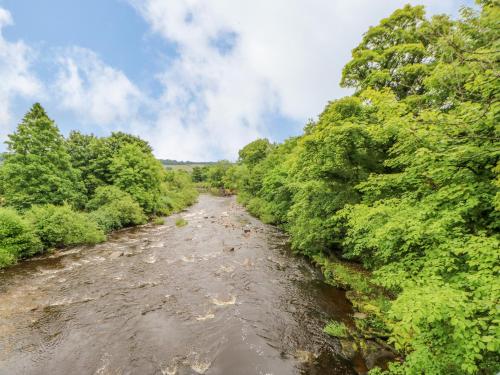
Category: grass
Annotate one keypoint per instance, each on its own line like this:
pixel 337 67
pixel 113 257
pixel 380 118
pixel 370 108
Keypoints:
pixel 158 220
pixel 336 329
pixel 181 222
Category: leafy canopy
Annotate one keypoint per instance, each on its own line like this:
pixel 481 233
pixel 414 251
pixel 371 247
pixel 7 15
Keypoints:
pixel 403 177
pixel 37 167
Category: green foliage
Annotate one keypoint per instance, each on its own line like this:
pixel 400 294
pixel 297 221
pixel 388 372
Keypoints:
pixel 17 238
pixel 48 177
pixel 139 174
pixel 336 329
pixel 37 168
pixel 198 175
pixel 403 177
pixel 438 320
pixel 181 222
pixel 93 156
pixel 344 277
pixel 105 195
pixel 158 220
pixel 178 191
pixel 216 173
pixel 58 226
pixel 114 209
pixel 254 152
pixel 397 54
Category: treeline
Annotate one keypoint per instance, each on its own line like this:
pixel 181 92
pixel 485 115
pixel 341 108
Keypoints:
pixel 403 178
pixel 167 162
pixel 216 176
pixel 57 192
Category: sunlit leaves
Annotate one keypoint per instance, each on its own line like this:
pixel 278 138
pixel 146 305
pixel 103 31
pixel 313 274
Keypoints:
pixel 403 176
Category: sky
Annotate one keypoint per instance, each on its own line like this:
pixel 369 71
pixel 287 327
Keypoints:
pixel 197 79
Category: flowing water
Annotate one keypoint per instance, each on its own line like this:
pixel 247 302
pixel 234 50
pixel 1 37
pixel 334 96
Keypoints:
pixel 222 295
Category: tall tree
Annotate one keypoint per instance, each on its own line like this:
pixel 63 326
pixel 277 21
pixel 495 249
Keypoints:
pixel 37 167
pixel 397 54
pixel 254 152
pixel 141 175
pixel 93 156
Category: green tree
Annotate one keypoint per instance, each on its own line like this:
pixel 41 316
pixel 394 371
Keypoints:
pixel 254 152
pixel 216 173
pixel 197 174
pixel 118 139
pixel 403 177
pixel 138 173
pixel 37 167
pixel 397 54
pixel 91 156
pixel 113 209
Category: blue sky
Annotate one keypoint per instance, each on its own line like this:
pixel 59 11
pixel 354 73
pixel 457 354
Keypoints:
pixel 197 79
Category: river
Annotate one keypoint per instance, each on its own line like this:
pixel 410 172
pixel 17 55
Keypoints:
pixel 221 295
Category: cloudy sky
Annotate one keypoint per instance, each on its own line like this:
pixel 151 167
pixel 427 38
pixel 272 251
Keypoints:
pixel 198 79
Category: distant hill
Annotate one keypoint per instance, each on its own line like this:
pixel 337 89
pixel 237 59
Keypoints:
pixel 184 165
pixel 182 162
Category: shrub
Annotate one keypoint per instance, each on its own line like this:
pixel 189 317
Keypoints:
pixel 158 221
pixel 178 192
pixel 181 222
pixel 260 208
pixel 105 195
pixel 59 226
pixel 336 329
pixel 17 238
pixel 115 209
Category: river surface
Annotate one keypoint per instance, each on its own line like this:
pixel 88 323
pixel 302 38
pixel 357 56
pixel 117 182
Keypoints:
pixel 221 295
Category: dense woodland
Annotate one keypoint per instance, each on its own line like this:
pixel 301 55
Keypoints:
pixel 57 192
pixel 401 177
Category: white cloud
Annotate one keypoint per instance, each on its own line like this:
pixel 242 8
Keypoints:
pixel 94 91
pixel 16 76
pixel 288 57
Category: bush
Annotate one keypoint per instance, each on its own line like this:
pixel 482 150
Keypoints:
pixel 105 195
pixel 181 222
pixel 336 329
pixel 178 191
pixel 158 220
pixel 260 208
pixel 59 226
pixel 17 238
pixel 115 209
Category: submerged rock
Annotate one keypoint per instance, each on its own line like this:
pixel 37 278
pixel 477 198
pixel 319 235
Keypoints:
pixel 360 315
pixel 116 254
pixel 349 349
pixel 304 356
pixel 375 355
